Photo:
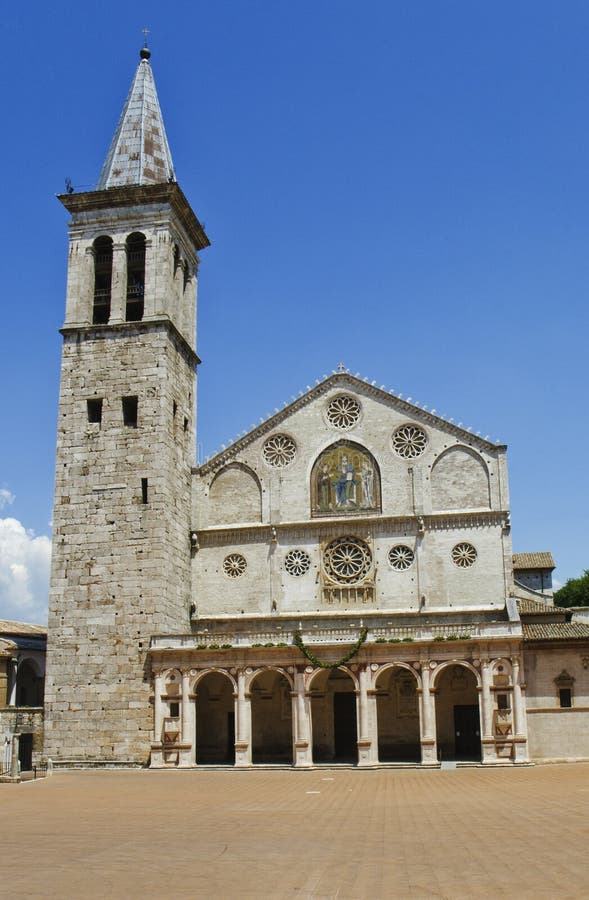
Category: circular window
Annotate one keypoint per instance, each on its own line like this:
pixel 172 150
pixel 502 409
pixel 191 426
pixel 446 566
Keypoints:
pixel 343 411
pixel 464 555
pixel 297 562
pixel 234 565
pixel 347 560
pixel 279 451
pixel 409 441
pixel 401 557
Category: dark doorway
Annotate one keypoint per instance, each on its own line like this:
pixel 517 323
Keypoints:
pixel 25 752
pixel 345 731
pixel 467 732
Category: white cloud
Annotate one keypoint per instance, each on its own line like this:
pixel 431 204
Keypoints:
pixel 24 571
pixel 6 497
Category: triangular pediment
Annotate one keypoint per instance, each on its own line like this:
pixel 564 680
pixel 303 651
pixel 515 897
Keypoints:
pixel 354 386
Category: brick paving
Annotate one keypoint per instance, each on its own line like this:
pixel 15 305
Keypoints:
pixel 326 834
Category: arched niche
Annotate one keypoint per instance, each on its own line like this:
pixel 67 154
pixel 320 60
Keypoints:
pixel 460 480
pixel 235 496
pixel 345 479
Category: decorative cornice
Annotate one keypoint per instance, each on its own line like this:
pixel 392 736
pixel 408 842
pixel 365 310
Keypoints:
pixel 344 380
pixel 139 195
pixel 263 533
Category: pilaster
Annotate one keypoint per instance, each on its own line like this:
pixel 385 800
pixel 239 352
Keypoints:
pixel 243 719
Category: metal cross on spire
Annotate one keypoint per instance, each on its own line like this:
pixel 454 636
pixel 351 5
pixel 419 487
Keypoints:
pixel 145 33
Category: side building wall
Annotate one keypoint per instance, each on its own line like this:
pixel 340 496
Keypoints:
pixel 557 733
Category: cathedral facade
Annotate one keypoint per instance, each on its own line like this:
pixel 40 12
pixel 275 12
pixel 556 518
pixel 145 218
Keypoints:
pixel 335 586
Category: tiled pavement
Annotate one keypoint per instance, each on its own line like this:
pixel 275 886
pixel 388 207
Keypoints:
pixel 326 833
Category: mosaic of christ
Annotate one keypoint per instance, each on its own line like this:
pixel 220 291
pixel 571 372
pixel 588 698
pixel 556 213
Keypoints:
pixel 345 479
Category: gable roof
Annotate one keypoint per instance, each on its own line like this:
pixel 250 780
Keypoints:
pixel 343 380
pixel 540 560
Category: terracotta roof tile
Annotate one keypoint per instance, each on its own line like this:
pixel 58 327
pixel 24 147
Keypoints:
pixel 537 608
pixel 540 560
pixel 555 631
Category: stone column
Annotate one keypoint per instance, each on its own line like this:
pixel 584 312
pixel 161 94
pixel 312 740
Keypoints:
pixel 429 755
pixel 301 716
pixel 82 305
pixel 367 738
pixel 519 714
pixel 149 280
pixel 13 669
pixel 118 285
pixel 243 719
pixel 488 749
pixel 14 771
pixel 187 734
pixel 158 708
pixel 4 663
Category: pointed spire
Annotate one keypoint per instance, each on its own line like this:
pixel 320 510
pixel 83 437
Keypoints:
pixel 139 152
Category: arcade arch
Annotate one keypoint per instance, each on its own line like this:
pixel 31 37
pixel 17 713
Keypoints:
pixel 271 711
pixel 397 709
pixel 215 719
pixel 458 719
pixel 334 717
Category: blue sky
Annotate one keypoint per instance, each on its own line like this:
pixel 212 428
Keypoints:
pixel 399 186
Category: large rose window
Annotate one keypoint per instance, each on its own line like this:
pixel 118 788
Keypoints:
pixel 347 560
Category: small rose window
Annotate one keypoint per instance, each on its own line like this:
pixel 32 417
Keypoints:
pixel 279 451
pixel 401 557
pixel 234 565
pixel 409 441
pixel 464 555
pixel 297 562
pixel 343 412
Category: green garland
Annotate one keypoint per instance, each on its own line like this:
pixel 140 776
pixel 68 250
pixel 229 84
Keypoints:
pixel 298 639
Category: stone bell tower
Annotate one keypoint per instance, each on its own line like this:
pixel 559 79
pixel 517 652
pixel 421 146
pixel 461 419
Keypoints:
pixel 125 441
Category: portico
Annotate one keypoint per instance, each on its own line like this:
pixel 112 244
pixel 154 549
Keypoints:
pixel 422 703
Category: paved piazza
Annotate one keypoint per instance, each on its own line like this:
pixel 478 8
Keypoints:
pixel 326 833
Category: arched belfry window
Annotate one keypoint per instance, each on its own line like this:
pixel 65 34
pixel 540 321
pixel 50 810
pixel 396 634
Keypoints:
pixel 135 277
pixel 345 480
pixel 102 280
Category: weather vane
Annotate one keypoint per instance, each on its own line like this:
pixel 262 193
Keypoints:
pixel 145 33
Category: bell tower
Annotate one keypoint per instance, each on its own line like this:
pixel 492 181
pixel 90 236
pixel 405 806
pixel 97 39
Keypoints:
pixel 125 441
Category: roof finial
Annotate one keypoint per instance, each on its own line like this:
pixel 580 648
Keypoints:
pixel 145 52
pixel 341 368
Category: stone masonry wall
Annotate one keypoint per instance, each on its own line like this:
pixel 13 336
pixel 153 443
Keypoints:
pixel 120 568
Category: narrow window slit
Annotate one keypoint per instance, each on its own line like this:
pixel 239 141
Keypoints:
pixel 130 407
pixel 144 496
pixel 94 408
